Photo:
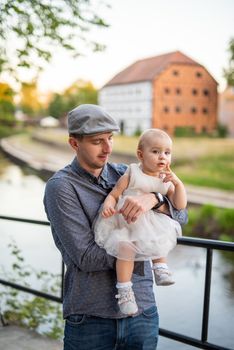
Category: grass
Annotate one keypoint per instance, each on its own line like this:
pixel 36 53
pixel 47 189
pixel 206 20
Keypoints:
pixel 197 161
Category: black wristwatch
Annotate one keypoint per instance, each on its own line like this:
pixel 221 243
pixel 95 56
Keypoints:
pixel 160 199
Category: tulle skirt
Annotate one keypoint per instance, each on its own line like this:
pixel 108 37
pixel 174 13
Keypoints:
pixel 152 236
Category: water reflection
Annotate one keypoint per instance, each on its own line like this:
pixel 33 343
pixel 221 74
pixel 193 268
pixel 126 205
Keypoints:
pixel 180 305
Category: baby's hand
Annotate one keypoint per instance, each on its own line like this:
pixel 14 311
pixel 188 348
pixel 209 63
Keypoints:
pixel 107 212
pixel 170 176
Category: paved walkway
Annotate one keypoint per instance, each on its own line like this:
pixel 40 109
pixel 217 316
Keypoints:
pixel 16 338
pixel 50 157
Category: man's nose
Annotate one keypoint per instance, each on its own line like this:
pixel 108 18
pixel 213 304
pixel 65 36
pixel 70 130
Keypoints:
pixel 107 147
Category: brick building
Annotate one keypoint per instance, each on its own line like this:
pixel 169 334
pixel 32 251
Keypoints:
pixel 167 91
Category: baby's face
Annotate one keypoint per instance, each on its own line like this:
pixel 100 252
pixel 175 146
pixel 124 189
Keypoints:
pixel 156 155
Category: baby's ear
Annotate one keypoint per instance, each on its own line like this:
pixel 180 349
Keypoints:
pixel 139 154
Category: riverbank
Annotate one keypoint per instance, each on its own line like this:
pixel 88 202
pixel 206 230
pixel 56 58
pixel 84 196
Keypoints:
pixel 47 156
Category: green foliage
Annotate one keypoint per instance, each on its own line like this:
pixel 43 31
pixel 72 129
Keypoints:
pixel 211 222
pixel 38 27
pixel 222 131
pixel 229 72
pixel 78 93
pixel 181 131
pixel 24 309
pixel 138 131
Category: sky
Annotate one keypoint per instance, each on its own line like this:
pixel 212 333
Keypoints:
pixel 201 29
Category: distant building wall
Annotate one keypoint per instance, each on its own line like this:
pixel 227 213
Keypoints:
pixel 185 96
pixel 226 110
pixel 130 104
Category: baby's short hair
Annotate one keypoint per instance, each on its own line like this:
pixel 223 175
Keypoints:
pixel 151 133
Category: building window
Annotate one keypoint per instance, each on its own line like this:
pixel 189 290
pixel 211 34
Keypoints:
pixel 166 109
pixel 194 92
pixel 175 72
pixel 194 110
pixel 206 92
pixel 178 91
pixel 198 74
pixel 167 90
pixel 204 110
pixel 177 109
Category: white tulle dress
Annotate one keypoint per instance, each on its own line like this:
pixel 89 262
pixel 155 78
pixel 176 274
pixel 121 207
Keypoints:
pixel 152 236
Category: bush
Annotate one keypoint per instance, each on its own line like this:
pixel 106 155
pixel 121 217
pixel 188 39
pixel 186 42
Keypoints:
pixel 222 131
pixel 210 222
pixel 184 131
pixel 31 311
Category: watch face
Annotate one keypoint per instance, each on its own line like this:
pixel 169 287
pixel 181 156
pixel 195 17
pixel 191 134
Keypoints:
pixel 160 197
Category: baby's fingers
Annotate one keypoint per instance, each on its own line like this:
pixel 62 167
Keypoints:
pixel 168 167
pixel 108 212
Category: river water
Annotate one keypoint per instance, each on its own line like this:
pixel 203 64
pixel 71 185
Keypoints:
pixel 180 305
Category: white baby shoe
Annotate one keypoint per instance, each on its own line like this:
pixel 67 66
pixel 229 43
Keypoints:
pixel 163 277
pixel 126 301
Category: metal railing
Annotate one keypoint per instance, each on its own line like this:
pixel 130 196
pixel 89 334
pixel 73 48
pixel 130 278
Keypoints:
pixel 208 244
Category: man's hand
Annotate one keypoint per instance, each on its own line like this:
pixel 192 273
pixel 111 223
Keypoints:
pixel 135 206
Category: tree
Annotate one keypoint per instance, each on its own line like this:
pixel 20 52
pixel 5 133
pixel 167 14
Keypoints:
pixel 78 93
pixel 7 108
pixel 30 30
pixel 229 72
pixel 29 98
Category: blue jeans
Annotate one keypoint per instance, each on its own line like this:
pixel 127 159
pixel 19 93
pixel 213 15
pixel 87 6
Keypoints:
pixel 94 333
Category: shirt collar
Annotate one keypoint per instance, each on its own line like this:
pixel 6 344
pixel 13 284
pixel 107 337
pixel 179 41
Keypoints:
pixel 75 165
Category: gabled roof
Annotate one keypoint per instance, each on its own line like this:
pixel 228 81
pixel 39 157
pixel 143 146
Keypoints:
pixel 148 68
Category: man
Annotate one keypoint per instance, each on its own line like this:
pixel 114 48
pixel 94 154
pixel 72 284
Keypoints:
pixel 72 200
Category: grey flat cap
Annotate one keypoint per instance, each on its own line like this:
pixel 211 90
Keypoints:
pixel 90 119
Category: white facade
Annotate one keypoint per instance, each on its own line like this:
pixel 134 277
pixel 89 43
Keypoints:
pixel 129 104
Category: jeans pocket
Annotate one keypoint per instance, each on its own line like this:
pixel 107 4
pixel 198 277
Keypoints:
pixel 75 319
pixel 151 312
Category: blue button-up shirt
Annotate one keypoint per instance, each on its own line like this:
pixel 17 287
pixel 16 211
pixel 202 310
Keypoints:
pixel 72 200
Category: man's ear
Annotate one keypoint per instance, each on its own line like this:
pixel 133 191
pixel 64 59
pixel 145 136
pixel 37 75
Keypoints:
pixel 139 154
pixel 73 143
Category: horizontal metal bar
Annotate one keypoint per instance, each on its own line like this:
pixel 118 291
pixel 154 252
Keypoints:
pixel 190 241
pixel 29 221
pixel 206 243
pixel 190 341
pixel 31 291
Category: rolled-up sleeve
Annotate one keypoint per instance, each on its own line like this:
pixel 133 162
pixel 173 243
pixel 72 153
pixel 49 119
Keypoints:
pixel 179 215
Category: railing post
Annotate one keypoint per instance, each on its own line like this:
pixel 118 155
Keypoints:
pixel 206 302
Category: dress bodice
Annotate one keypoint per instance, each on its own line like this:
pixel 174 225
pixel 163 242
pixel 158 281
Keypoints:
pixel 141 182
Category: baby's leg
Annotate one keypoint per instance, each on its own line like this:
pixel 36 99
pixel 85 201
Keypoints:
pixel 162 274
pixel 160 260
pixel 124 270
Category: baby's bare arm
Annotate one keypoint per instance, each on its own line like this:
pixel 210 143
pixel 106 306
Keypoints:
pixel 112 198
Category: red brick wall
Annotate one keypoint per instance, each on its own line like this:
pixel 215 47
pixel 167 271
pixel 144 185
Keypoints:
pixel 183 99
